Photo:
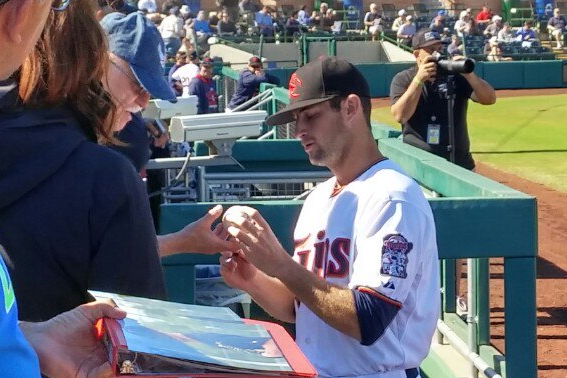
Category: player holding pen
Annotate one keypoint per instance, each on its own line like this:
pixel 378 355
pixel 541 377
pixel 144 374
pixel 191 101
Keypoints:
pixel 363 283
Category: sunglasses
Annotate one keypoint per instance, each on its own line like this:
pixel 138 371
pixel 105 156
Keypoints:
pixel 58 5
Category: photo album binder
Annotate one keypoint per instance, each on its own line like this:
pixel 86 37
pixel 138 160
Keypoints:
pixel 167 339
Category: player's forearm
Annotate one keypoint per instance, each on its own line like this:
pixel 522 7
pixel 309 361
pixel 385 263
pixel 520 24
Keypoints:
pixel 406 105
pixel 334 305
pixel 273 296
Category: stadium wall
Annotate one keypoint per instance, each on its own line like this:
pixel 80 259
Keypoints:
pixel 501 75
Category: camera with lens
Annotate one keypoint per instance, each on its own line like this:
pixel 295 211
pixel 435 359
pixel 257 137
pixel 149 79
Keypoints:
pixel 446 66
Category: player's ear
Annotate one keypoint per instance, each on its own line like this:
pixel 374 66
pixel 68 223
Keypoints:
pixel 352 106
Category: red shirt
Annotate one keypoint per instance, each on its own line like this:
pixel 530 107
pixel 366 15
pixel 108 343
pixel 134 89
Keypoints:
pixel 484 16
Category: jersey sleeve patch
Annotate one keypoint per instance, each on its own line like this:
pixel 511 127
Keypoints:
pixel 395 250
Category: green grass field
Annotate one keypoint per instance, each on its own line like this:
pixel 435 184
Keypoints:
pixel 526 136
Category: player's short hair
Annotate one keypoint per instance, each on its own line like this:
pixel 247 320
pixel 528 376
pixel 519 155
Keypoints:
pixel 335 104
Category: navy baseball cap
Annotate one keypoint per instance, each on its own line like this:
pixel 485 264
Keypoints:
pixel 425 38
pixel 319 81
pixel 135 39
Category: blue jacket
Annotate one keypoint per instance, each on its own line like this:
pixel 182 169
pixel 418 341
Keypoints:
pixel 74 216
pixel 247 86
pixel 206 92
pixel 17 358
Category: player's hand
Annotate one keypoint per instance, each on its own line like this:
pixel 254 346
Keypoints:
pixel 67 344
pixel 199 237
pixel 256 239
pixel 236 271
pixel 426 70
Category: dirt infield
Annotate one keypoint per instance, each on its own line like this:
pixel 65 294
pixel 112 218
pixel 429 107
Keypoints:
pixel 551 264
pixel 551 276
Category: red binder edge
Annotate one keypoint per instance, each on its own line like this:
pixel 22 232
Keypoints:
pixel 296 359
pixel 117 340
pixel 298 362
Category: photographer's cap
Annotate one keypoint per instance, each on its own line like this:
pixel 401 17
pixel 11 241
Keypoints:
pixel 319 81
pixel 425 38
pixel 135 39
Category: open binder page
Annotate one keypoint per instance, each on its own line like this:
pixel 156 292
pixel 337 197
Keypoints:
pixel 155 339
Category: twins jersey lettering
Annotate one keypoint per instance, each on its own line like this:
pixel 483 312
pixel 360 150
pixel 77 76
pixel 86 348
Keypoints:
pixel 378 235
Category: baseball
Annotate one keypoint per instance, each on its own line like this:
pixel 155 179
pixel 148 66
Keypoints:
pixel 234 211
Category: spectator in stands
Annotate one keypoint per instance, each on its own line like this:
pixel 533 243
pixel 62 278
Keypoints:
pixel 494 27
pixel 187 46
pixel 303 16
pixel 108 6
pixel 327 23
pixel 455 48
pixel 438 25
pixel 226 27
pixel 200 31
pixel 463 26
pixel 483 18
pixel 292 25
pixel 506 34
pixel 446 36
pixel 493 52
pixel 406 31
pixel 265 22
pixel 249 83
pixel 373 22
pixel 203 86
pixel 439 19
pixel 185 13
pixel 180 61
pixel 556 27
pixel 526 33
pixel 249 6
pixel 214 18
pixel 320 19
pixel 183 76
pixel 171 30
pixel 229 6
pixel 399 21
pixel 167 5
pixel 149 5
pixel 423 113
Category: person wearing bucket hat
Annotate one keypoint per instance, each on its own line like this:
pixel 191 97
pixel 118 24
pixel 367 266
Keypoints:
pixel 249 82
pixel 351 285
pixel 135 71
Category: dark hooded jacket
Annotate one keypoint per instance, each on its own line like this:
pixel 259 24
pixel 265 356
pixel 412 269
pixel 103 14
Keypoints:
pixel 74 215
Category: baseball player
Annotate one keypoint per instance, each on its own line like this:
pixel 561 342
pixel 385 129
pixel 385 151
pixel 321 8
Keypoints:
pixel 363 284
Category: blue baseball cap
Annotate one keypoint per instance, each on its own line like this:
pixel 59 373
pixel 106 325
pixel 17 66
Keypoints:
pixel 135 39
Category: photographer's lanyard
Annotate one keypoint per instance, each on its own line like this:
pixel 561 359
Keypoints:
pixel 433 136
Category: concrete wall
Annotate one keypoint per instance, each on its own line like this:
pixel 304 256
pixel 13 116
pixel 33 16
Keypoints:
pixel 274 55
pixel 395 54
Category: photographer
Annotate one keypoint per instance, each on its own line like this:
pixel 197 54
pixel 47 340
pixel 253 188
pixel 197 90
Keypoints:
pixel 419 103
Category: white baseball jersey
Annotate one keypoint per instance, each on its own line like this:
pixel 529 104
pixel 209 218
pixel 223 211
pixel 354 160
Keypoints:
pixel 185 74
pixel 377 232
